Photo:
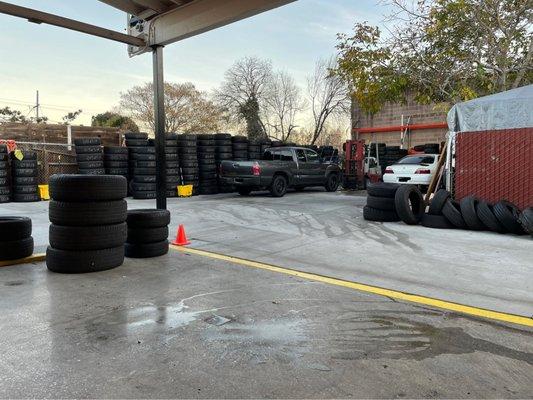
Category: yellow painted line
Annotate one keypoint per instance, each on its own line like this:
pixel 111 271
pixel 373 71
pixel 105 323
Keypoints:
pixel 33 258
pixel 413 298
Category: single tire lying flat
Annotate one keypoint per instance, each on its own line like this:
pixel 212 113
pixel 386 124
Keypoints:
pixel 87 237
pixel 14 228
pixel 87 213
pixel 147 235
pixel 409 204
pixel 486 215
pixel 84 188
pixel 436 221
pixel 146 250
pixel 469 213
pixel 508 214
pixel 452 212
pixel 438 201
pixel 373 214
pixel 382 189
pixel 91 141
pixel 25 198
pixel 526 220
pixel 88 149
pixel 77 262
pixel 381 203
pixel 16 249
pixel 148 218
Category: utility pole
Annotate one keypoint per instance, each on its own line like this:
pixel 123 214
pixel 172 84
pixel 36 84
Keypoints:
pixel 37 105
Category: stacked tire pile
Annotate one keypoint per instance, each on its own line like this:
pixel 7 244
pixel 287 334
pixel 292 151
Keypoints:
pixel 223 151
pixel 390 155
pixel 116 161
pixel 16 241
pixel 147 233
pixel 141 161
pixel 187 150
pixel 173 164
pixel 380 203
pixel 475 214
pixel 265 144
pixel 207 164
pixel 25 177
pixel 254 151
pixel 89 156
pixel 5 188
pixel 239 146
pixel 88 216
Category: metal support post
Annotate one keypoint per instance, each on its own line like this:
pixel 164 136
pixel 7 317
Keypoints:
pixel 159 117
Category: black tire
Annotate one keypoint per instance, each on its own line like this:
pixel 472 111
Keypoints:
pixel 5 190
pixel 486 216
pixel 116 164
pixel 91 165
pixel 409 204
pixel 25 172
pixel 5 198
pixel 278 188
pixel 25 180
pixel 172 157
pixel 436 221
pixel 142 157
pixel 438 201
pixel 91 141
pixel 382 189
pixel 148 218
pixel 136 143
pixel 452 212
pixel 143 164
pixel 25 189
pixel 116 157
pixel 115 150
pixel 147 235
pixel 78 262
pixel 144 195
pixel 93 171
pixel 171 150
pixel 88 149
pixel 16 249
pixel 87 237
pixel 87 214
pixel 144 178
pixel 143 187
pixel 141 150
pixel 5 182
pixel 240 154
pixel 3 173
pixel 89 157
pixel 508 215
pixel 14 228
pixel 381 203
pixel 526 220
pixel 332 182
pixel 117 171
pixel 18 164
pixel 373 214
pixel 146 250
pixel 468 211
pixel 144 171
pixel 84 188
pixel 25 198
pixel 136 135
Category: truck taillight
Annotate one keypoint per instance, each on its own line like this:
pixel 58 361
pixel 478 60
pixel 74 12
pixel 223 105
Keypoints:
pixel 388 170
pixel 256 169
pixel 423 171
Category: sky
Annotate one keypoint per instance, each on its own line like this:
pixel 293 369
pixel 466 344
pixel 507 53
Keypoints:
pixel 74 71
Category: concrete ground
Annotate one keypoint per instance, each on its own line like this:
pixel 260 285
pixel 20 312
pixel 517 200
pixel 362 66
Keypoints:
pixel 189 326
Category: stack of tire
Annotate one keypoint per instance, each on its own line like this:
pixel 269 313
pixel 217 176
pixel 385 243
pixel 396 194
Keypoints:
pixel 207 164
pixel 173 164
pixel 147 233
pixel 5 188
pixel 254 151
pixel 239 146
pixel 380 205
pixel 187 150
pixel 432 148
pixel 89 156
pixel 142 170
pixel 25 177
pixel 475 214
pixel 223 151
pixel 88 216
pixel 15 238
pixel 116 161
pixel 265 144
pixel 392 154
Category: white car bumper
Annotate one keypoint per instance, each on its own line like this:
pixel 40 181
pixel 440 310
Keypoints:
pixel 408 179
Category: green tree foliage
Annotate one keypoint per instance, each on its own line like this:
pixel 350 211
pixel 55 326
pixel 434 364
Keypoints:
pixel 114 120
pixel 443 51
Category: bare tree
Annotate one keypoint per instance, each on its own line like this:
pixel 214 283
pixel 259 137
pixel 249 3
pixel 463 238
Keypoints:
pixel 242 92
pixel 328 95
pixel 283 102
pixel 186 108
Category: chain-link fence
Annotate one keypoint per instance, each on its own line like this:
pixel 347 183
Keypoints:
pixel 52 158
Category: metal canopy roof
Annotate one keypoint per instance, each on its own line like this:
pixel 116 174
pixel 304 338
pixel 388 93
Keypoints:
pixel 146 9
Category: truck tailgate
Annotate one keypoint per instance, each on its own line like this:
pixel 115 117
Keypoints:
pixel 236 168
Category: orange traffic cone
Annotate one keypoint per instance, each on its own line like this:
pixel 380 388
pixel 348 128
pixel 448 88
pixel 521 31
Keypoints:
pixel 181 237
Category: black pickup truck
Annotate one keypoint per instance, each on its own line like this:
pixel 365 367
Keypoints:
pixel 281 168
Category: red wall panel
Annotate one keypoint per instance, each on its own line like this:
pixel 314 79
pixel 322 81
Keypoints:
pixel 495 165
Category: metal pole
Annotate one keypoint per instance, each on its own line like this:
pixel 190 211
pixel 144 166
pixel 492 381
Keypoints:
pixel 159 117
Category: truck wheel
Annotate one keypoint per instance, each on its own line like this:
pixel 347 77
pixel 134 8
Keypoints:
pixel 279 186
pixel 332 183
pixel 245 191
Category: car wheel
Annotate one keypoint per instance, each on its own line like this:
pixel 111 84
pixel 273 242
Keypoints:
pixel 332 183
pixel 244 191
pixel 279 186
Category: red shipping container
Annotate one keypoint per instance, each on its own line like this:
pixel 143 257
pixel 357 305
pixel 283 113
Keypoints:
pixel 495 165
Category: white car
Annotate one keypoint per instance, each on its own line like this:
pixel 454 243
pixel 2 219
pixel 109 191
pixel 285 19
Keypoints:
pixel 416 169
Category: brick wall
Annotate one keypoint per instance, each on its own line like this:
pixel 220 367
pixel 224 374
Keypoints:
pixel 51 133
pixel 391 115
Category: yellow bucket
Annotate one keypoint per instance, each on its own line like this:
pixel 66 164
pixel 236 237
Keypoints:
pixel 185 190
pixel 43 192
